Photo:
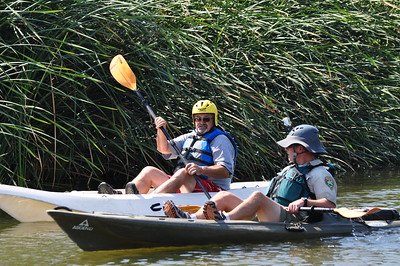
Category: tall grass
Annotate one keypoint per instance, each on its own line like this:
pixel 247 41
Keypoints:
pixel 66 123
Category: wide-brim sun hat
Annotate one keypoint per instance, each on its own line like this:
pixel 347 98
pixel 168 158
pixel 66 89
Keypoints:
pixel 305 135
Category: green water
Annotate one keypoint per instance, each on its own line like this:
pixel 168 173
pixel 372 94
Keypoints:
pixel 46 244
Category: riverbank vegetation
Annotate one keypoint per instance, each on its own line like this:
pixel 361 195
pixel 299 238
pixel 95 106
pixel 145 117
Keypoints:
pixel 65 123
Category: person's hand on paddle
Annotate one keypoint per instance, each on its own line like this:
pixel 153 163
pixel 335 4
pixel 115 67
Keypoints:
pixel 193 169
pixel 294 207
pixel 160 122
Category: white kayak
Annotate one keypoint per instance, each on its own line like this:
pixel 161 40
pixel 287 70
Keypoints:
pixel 30 205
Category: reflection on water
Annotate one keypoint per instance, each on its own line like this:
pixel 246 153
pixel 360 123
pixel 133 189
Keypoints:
pixel 33 244
pixel 378 189
pixel 6 221
pixel 375 248
pixel 46 244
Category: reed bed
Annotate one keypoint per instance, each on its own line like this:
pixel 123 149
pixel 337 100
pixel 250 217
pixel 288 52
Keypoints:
pixel 65 123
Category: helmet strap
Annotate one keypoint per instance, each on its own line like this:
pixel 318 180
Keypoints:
pixel 295 154
pixel 295 158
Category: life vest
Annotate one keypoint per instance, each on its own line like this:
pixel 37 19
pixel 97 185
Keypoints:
pixel 291 185
pixel 201 144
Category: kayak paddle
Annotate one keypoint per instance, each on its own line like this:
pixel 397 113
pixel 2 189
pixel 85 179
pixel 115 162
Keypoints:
pixel 124 75
pixel 344 212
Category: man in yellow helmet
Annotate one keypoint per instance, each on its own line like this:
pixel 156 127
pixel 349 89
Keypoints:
pixel 209 151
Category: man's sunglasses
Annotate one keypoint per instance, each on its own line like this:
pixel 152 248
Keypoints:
pixel 204 119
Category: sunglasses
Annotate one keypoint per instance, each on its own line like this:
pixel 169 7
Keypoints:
pixel 204 119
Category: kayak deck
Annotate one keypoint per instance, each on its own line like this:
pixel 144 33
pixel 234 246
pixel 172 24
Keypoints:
pixel 30 205
pixel 92 231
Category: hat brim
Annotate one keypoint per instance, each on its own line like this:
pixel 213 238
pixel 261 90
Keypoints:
pixel 290 140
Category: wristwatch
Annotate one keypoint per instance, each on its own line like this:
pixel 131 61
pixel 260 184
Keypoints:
pixel 305 201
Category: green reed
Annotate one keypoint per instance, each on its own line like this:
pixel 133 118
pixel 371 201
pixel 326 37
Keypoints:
pixel 66 123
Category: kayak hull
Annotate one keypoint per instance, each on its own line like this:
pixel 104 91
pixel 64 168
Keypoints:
pixel 30 205
pixel 109 232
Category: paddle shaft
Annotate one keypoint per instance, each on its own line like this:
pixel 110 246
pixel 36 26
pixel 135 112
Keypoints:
pixel 318 209
pixel 173 144
pixel 338 210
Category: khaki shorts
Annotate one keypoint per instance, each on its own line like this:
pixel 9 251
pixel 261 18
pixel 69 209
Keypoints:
pixel 288 217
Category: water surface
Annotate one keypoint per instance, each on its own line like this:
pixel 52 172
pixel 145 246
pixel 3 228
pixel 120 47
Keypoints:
pixel 46 244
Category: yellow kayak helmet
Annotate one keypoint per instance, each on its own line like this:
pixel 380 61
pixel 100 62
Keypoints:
pixel 206 107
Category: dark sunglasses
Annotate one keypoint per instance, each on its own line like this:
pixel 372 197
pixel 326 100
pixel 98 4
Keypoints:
pixel 204 119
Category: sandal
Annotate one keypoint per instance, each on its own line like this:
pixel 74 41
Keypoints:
pixel 105 188
pixel 131 188
pixel 172 211
pixel 211 212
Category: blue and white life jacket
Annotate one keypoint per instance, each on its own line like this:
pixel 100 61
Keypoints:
pixel 197 148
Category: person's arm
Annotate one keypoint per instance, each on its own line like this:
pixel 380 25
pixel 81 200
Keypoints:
pixel 294 207
pixel 210 171
pixel 224 162
pixel 323 185
pixel 161 140
pixel 319 203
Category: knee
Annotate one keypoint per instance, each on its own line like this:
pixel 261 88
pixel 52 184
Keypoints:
pixel 180 174
pixel 146 172
pixel 180 171
pixel 222 195
pixel 149 169
pixel 257 195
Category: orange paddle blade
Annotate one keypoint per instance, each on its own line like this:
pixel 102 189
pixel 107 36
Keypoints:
pixel 122 73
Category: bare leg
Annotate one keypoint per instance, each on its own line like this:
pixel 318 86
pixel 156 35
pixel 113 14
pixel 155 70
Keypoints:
pixel 149 177
pixel 258 204
pixel 180 180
